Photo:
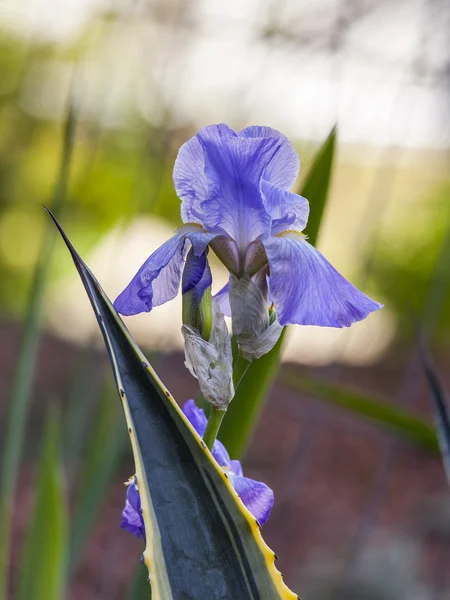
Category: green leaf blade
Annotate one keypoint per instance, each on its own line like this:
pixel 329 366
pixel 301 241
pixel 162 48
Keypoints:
pixel 138 588
pixel 45 553
pixel 105 448
pixel 441 410
pixel 201 540
pixel 317 184
pixel 398 420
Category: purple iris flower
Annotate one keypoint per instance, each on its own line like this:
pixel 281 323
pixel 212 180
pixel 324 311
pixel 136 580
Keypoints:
pixel 257 496
pixel 234 191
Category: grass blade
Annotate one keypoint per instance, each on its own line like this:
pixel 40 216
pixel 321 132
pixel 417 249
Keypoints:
pixel 317 184
pixel 441 410
pixel 202 542
pixel 104 451
pixel 44 556
pixel 23 377
pixel 77 420
pixel 240 420
pixel 400 421
pixel 139 585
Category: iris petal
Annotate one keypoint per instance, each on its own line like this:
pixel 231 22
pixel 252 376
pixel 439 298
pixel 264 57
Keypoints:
pixel 132 520
pixel 223 300
pixel 196 416
pixel 234 166
pixel 288 210
pixel 257 496
pixel 307 289
pixel 283 169
pixel 196 274
pixel 218 173
pixel 236 467
pixel 190 181
pixel 158 280
pixel 198 420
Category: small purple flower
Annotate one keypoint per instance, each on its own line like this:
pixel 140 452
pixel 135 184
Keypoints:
pixel 132 520
pixel 234 191
pixel 257 496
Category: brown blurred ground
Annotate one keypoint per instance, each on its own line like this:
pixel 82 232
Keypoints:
pixel 338 480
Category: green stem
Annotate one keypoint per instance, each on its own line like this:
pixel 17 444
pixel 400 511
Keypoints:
pixel 240 367
pixel 216 415
pixel 212 427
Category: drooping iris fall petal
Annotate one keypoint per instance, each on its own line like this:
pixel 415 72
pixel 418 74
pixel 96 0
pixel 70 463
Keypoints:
pixel 307 289
pixel 158 280
pixel 257 496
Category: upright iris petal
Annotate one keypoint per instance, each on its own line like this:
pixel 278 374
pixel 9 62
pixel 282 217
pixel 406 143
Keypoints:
pixel 234 166
pixel 288 210
pixel 282 170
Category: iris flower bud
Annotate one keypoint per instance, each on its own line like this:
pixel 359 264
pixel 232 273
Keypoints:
pixel 207 348
pixel 196 290
pixel 255 327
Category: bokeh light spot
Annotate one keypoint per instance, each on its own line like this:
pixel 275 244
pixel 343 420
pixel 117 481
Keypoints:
pixel 21 234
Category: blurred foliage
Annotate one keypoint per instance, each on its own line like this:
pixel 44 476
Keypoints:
pixel 387 570
pixel 411 266
pixel 116 172
pixel 403 422
pixel 44 564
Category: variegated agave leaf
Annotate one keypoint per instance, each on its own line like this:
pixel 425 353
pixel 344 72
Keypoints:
pixel 202 543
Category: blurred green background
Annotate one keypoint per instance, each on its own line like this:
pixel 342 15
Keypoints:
pixel 95 99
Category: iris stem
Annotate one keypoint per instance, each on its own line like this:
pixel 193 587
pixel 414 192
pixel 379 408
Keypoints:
pixel 216 415
pixel 240 367
pixel 212 427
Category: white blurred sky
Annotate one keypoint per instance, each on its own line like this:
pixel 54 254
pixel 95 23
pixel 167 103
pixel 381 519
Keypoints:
pixel 386 86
